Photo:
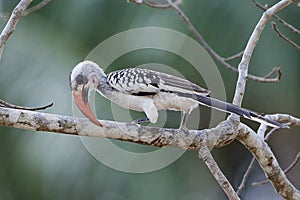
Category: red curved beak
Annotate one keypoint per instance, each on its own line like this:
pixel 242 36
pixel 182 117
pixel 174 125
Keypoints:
pixel 81 100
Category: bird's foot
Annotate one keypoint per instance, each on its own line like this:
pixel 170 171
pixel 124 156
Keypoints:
pixel 141 120
pixel 184 128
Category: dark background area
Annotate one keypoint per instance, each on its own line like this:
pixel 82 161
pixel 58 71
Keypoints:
pixel 47 44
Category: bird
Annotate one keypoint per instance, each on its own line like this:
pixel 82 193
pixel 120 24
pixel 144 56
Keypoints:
pixel 148 91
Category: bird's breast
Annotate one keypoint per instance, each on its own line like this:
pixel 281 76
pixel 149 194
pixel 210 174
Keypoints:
pixel 171 101
pixel 128 101
pixel 161 100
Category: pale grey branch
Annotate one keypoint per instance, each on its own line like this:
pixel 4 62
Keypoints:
pixel 293 163
pixel 252 42
pixel 205 155
pixel 36 7
pixel 214 54
pixel 288 169
pixel 154 4
pixel 191 140
pixel 245 177
pixel 9 105
pixel 294 121
pixel 12 22
pixel 266 159
pixel 219 136
pixel 281 35
pixel 283 22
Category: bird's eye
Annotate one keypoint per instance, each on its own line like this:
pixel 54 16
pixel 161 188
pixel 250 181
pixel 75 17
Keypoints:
pixel 80 79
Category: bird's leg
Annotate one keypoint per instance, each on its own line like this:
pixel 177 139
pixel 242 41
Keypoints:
pixel 183 121
pixel 141 120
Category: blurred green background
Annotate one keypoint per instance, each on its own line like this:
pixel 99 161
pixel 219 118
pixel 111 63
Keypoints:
pixel 46 46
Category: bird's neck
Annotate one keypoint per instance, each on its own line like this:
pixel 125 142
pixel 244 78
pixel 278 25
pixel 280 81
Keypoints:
pixel 104 86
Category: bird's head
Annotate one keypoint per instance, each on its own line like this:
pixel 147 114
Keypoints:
pixel 85 77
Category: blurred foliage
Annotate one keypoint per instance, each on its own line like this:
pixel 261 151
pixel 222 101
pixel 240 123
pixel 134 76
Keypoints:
pixel 47 44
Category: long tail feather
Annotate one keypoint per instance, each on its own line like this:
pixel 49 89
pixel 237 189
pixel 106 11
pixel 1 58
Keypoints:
pixel 230 108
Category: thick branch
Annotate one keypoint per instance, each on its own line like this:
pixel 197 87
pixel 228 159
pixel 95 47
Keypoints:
pixel 221 135
pixel 268 162
pixel 191 140
pixel 288 169
pixel 12 22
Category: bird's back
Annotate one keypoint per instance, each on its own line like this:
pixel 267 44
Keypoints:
pixel 137 81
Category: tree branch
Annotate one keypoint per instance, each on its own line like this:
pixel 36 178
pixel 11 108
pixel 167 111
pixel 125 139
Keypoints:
pixel 202 140
pixel 293 163
pixel 284 37
pixel 8 105
pixel 205 155
pixel 289 168
pixel 245 177
pixel 222 60
pixel 283 22
pixel 12 22
pixel 154 4
pixel 268 162
pixel 285 118
pixel 190 140
pixel 216 137
pixel 244 64
pixel 18 11
pixel 36 7
pixel 233 57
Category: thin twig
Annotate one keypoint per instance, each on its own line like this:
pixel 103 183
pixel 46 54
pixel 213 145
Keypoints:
pixel 28 11
pixel 199 37
pixel 284 37
pixel 36 7
pixel 154 4
pixel 12 22
pixel 283 22
pixel 222 60
pixel 268 135
pixel 267 78
pixel 293 164
pixel 273 71
pixel 8 105
pixel 245 177
pixel 233 57
pixel 260 182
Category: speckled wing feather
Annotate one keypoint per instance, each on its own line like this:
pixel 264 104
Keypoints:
pixel 177 84
pixel 147 82
pixel 134 81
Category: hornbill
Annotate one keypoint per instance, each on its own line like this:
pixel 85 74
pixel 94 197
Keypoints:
pixel 148 91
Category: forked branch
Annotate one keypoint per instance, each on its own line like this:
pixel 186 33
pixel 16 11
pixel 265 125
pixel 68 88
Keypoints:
pixel 224 61
pixel 12 22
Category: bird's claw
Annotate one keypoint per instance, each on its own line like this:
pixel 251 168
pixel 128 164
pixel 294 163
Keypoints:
pixel 141 120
